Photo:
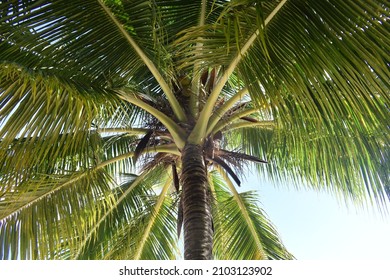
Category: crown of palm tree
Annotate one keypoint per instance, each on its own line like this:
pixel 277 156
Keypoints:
pixel 113 112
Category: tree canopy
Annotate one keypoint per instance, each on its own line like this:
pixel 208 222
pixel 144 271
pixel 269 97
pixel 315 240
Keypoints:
pixel 99 100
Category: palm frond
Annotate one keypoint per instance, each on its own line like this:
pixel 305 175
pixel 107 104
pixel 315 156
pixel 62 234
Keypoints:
pixel 62 37
pixel 159 231
pixel 319 52
pixel 130 197
pixel 117 234
pixel 120 145
pixel 80 52
pixel 150 26
pixel 142 144
pixel 343 163
pixel 242 229
pixel 34 225
pixel 175 130
pixel 255 33
pixel 51 124
pixel 227 168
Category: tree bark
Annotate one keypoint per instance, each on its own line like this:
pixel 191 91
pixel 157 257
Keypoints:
pixel 197 217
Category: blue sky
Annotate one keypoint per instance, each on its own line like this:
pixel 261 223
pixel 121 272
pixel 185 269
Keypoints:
pixel 315 226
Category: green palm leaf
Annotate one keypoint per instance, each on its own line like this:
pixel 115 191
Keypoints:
pixel 321 161
pixel 242 229
pixel 117 235
pixel 44 218
pixel 80 43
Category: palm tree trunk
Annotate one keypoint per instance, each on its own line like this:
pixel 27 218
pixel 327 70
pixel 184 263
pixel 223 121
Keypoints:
pixel 197 218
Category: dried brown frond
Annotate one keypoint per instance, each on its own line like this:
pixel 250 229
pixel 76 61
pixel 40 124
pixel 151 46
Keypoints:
pixel 159 158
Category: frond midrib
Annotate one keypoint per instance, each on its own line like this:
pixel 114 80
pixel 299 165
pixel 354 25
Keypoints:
pixel 245 214
pixel 154 215
pixel 200 129
pixel 177 109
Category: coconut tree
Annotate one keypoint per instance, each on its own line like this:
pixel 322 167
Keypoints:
pixel 124 123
